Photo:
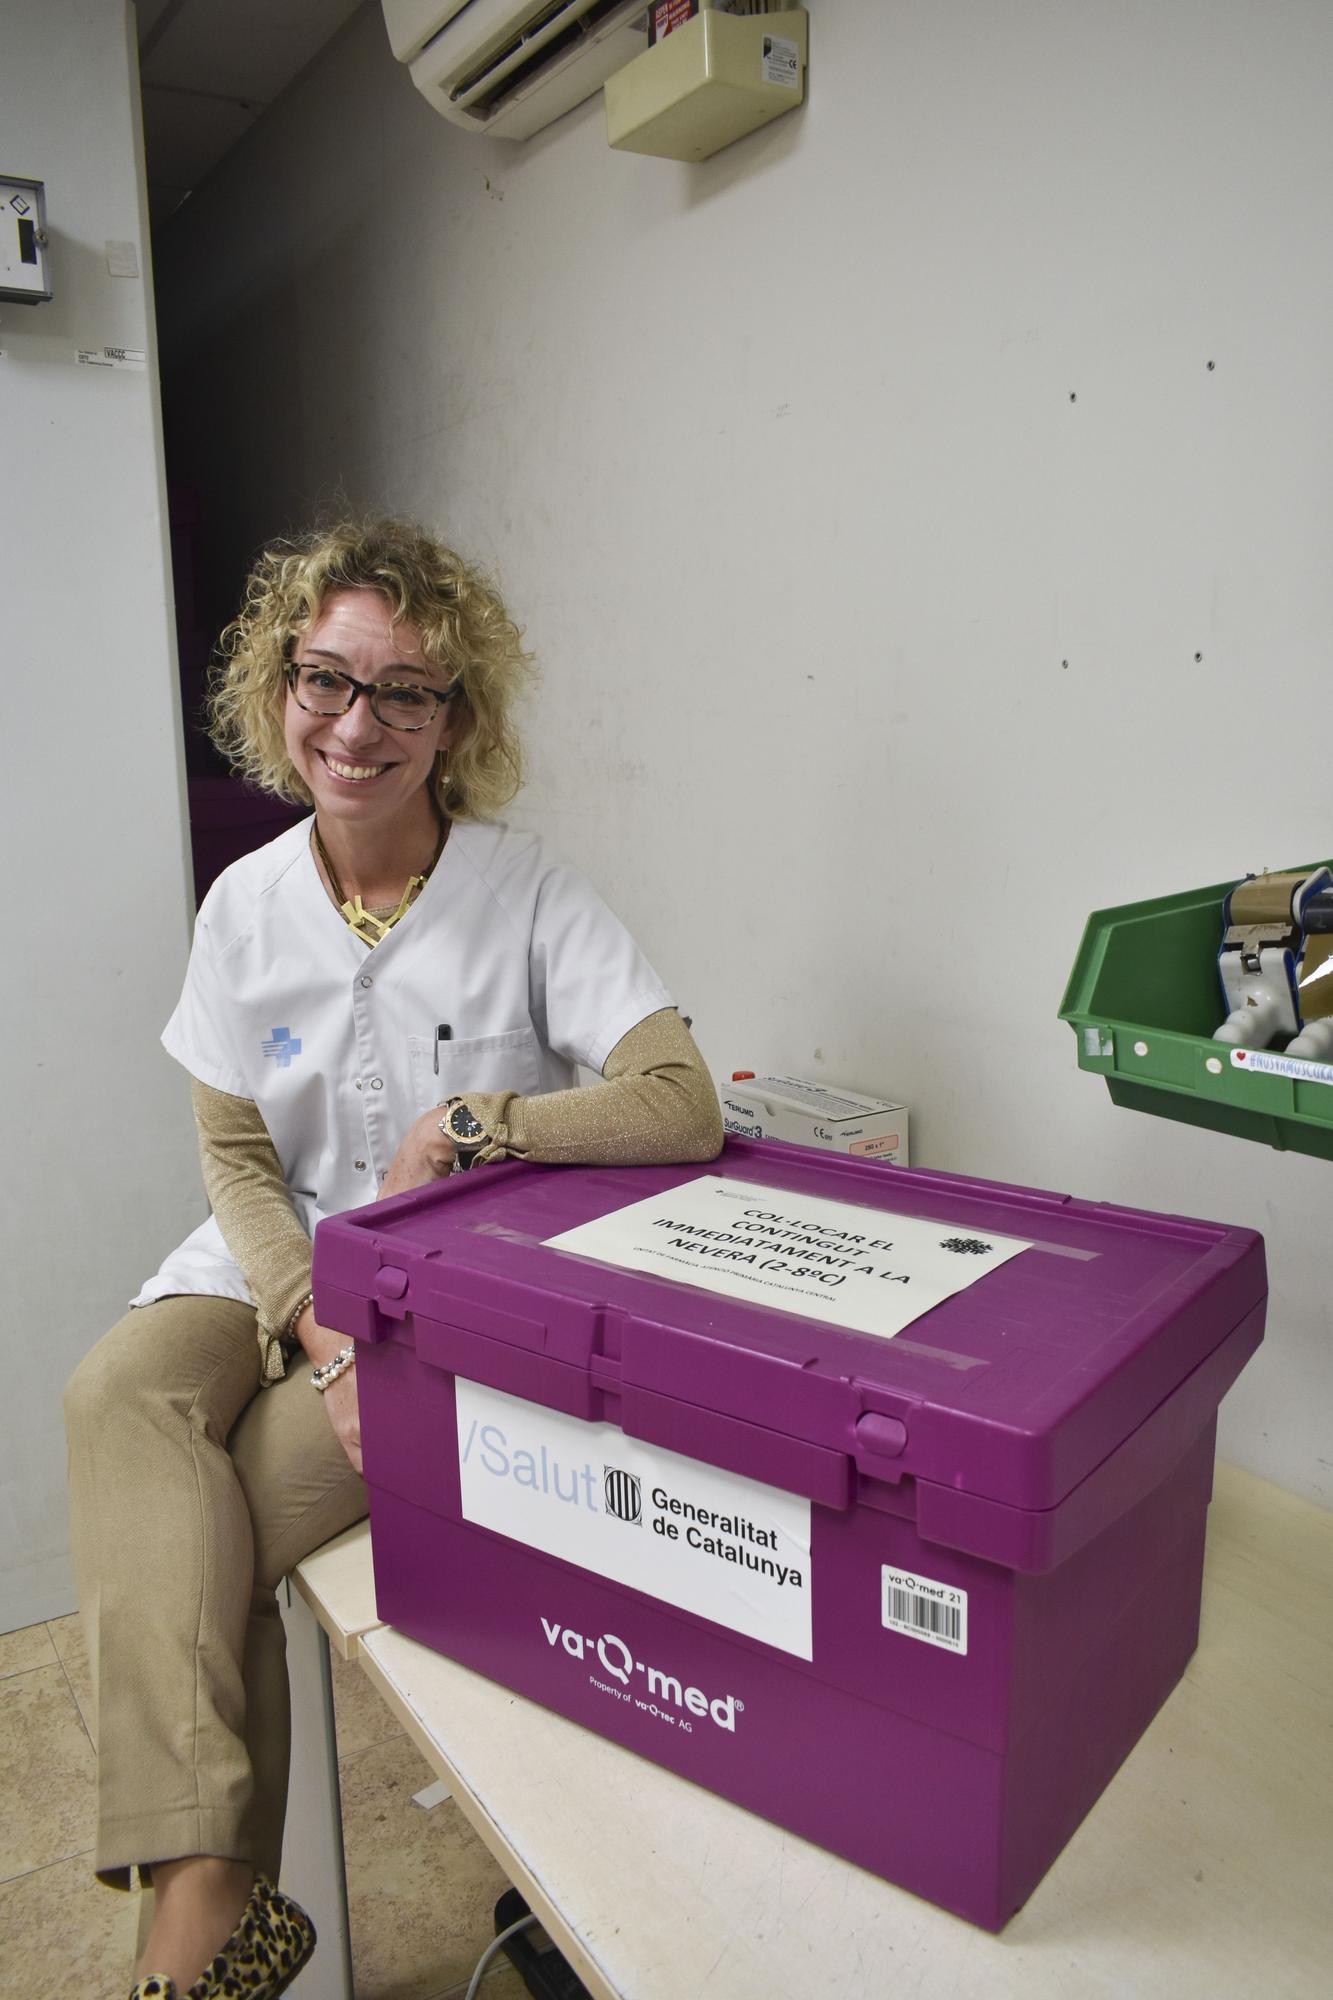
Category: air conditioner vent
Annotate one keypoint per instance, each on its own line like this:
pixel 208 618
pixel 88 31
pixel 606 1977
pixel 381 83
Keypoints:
pixel 553 33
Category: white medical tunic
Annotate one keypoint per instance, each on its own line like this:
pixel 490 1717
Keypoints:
pixel 515 955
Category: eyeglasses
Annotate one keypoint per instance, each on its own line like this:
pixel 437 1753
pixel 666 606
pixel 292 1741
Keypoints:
pixel 394 704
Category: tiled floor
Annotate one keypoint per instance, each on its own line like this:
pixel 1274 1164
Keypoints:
pixel 421 1885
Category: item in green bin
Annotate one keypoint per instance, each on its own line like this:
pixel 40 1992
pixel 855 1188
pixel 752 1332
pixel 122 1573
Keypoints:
pixel 1142 1000
pixel 1263 944
pixel 1314 984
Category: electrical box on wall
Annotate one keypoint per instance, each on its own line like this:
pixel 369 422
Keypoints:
pixel 23 273
pixel 710 77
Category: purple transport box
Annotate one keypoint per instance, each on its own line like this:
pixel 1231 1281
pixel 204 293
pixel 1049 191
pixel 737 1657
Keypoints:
pixel 914 1597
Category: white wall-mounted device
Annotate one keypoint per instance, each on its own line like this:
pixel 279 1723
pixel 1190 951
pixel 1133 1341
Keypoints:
pixel 23 274
pixel 722 70
pixel 509 67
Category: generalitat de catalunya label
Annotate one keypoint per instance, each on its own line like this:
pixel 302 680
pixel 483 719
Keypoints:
pixel 707 1541
pixel 830 1260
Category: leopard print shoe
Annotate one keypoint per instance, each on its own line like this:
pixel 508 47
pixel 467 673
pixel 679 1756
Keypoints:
pixel 264 1953
pixel 155 1987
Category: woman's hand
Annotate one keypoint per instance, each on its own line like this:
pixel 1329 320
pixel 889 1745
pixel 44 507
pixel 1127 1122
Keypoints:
pixel 341 1408
pixel 321 1343
pixel 425 1155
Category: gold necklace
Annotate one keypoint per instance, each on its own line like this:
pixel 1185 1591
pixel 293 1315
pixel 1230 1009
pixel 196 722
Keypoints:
pixel 363 923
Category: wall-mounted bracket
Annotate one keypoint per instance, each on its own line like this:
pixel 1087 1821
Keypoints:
pixel 24 279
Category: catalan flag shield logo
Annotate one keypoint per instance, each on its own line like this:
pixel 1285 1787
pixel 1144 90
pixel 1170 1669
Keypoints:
pixel 621 1494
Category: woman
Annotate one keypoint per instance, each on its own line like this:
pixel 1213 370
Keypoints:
pixel 391 990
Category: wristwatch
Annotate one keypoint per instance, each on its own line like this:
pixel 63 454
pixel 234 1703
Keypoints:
pixel 466 1134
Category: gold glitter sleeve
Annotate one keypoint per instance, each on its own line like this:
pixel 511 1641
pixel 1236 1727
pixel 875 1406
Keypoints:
pixel 656 1107
pixel 249 1197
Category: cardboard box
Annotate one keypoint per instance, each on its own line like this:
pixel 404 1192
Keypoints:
pixel 874 1502
pixel 816 1114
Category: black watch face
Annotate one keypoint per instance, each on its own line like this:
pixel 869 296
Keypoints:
pixel 464 1126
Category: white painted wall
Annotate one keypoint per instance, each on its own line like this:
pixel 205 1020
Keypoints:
pixel 99 1169
pixel 778 458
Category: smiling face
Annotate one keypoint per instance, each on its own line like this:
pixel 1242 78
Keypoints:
pixel 358 771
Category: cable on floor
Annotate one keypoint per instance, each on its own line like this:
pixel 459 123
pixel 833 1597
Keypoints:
pixel 523 1924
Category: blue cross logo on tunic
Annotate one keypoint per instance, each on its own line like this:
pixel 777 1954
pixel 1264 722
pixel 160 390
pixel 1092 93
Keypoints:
pixel 283 1047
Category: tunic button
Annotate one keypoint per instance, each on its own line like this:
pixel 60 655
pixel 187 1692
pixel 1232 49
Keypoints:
pixel 377 1083
pixel 358 1083
pixel 366 979
pixel 360 1166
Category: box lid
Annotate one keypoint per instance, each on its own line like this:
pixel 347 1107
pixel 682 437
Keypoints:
pixel 1011 1392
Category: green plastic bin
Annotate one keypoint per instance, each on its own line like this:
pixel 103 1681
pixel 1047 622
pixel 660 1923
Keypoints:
pixel 1143 1000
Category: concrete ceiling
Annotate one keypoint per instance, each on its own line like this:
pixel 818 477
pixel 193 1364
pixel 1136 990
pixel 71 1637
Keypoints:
pixel 211 67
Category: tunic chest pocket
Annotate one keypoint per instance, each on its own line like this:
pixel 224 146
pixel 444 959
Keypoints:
pixel 482 1062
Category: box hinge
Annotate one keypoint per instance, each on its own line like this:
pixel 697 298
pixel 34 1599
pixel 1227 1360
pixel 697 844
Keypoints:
pixel 774 1458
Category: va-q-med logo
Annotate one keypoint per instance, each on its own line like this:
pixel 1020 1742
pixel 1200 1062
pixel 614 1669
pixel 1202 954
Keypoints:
pixel 665 1696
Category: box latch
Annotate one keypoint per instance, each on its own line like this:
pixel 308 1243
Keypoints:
pixel 880 1443
pixel 389 1286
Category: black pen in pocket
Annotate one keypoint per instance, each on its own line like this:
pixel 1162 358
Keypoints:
pixel 443 1033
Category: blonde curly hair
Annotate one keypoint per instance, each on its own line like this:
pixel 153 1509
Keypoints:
pixel 464 628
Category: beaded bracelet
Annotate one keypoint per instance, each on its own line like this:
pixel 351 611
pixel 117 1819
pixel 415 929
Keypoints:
pixel 289 1331
pixel 324 1377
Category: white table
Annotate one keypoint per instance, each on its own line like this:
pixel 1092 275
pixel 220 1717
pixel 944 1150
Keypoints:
pixel 330 1600
pixel 1206 1869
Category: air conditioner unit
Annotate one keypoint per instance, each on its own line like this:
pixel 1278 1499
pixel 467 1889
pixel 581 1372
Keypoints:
pixel 508 67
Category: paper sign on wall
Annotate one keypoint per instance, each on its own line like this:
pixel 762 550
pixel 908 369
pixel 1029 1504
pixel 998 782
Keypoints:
pixel 858 1267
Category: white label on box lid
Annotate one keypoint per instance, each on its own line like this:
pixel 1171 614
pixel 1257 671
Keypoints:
pixel 857 1267
pixel 712 1542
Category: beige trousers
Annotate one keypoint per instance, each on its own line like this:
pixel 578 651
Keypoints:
pixel 192 1493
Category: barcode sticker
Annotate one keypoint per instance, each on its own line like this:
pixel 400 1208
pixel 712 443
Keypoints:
pixel 923 1609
